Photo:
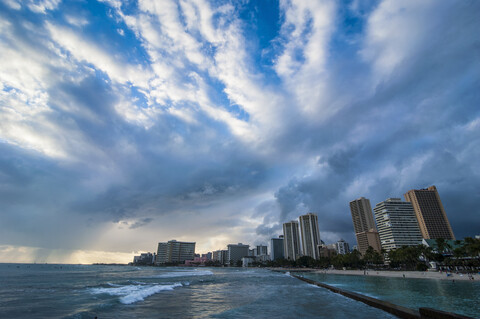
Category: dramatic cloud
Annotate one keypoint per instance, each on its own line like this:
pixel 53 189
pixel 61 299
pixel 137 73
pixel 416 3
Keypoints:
pixel 123 124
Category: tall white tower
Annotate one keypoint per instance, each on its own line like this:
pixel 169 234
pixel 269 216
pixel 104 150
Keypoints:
pixel 291 240
pixel 310 234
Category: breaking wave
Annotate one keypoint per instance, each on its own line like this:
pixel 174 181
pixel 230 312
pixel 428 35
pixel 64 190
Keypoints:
pixel 184 274
pixel 134 293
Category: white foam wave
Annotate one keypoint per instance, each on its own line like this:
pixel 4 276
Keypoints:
pixel 184 274
pixel 288 274
pixel 134 293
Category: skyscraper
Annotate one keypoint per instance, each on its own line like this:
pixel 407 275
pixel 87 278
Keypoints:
pixel 310 234
pixel 276 248
pixel 397 224
pixel 364 226
pixel 291 240
pixel 430 213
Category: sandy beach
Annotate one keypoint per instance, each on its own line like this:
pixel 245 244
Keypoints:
pixel 400 274
pixel 387 273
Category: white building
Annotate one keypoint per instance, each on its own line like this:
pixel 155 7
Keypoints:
pixel 342 247
pixel 397 224
pixel 291 240
pixel 310 234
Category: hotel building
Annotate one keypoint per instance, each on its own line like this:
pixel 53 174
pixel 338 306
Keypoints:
pixel 364 226
pixel 309 234
pixel 175 252
pixel 291 240
pixel 397 224
pixel 431 216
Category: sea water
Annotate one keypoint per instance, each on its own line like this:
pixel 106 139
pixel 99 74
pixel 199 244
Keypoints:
pixel 88 291
pixel 457 296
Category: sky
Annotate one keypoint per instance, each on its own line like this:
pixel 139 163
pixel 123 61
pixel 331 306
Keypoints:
pixel 128 123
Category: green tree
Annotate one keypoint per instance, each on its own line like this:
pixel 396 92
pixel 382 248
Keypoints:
pixel 372 257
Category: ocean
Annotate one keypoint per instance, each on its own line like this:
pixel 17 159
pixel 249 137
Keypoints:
pixel 89 291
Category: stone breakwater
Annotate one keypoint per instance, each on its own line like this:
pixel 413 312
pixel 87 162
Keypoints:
pixel 399 311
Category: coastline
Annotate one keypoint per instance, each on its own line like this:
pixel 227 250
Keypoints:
pixel 388 273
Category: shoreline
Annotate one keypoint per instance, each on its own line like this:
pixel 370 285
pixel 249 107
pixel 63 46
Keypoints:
pixel 388 273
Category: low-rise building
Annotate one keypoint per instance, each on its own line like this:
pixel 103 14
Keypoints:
pixel 326 252
pixel 144 259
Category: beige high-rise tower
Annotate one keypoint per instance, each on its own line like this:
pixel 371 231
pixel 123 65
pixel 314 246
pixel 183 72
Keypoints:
pixel 430 213
pixel 364 226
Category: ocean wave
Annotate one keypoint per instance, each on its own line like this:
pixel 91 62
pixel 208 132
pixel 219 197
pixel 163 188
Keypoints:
pixel 134 293
pixel 184 274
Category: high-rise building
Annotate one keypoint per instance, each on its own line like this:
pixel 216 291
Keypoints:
pixel 276 248
pixel 364 225
pixel 309 234
pixel 397 224
pixel 236 252
pixel 175 252
pixel 342 247
pixel 291 240
pixel 431 216
pixel 361 215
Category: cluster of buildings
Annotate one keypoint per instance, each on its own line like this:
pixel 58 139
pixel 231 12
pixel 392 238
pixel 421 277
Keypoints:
pixel 302 238
pixel 396 223
pixel 400 223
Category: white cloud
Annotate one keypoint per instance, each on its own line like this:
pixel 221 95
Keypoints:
pixel 41 6
pixel 302 66
pixel 84 50
pixel 77 21
pixel 395 31
pixel 13 4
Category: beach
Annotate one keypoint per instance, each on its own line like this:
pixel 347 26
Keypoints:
pixel 389 273
pixel 402 274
